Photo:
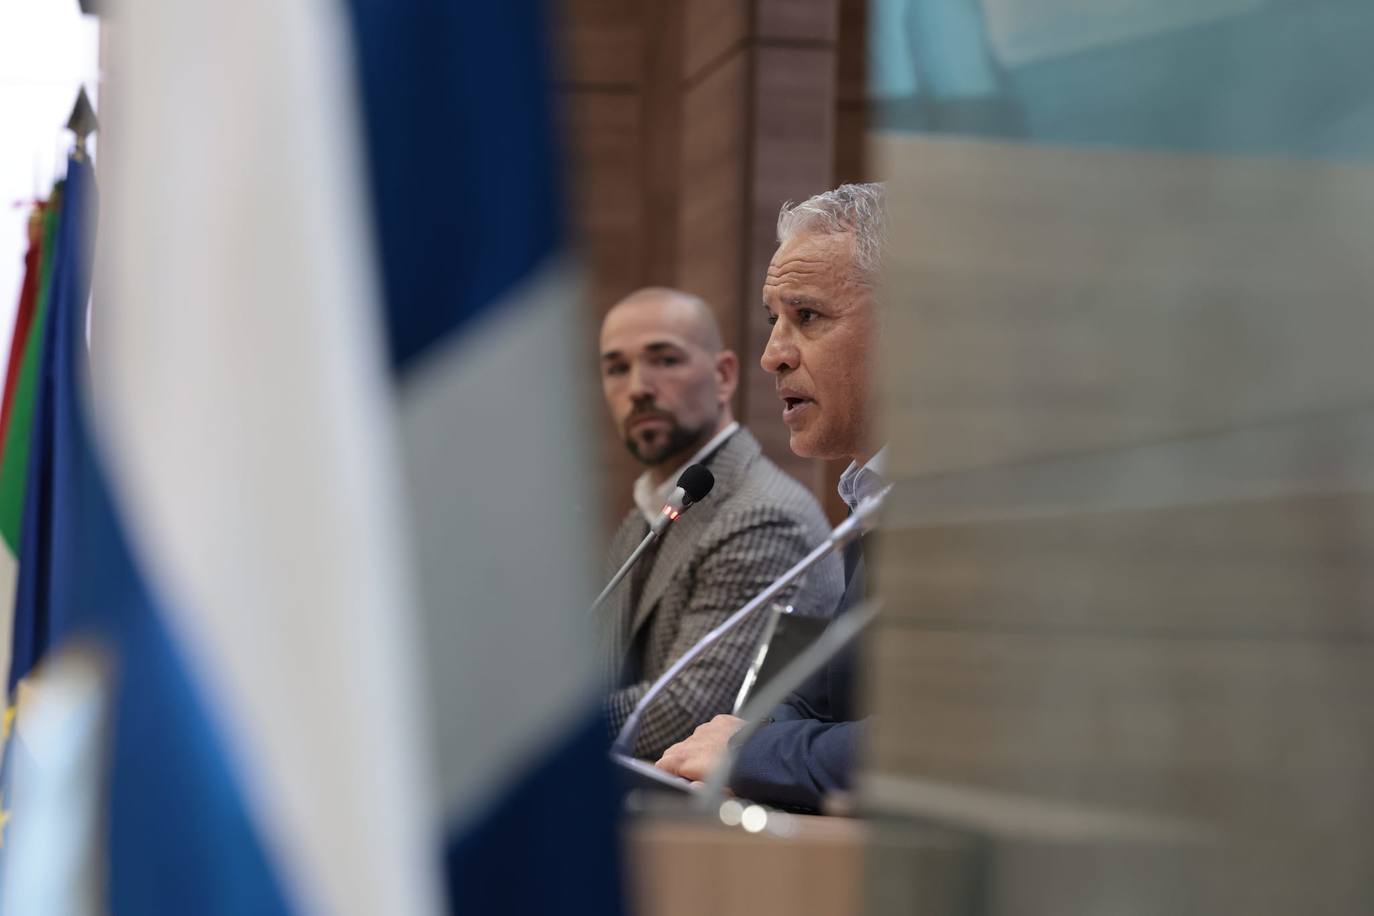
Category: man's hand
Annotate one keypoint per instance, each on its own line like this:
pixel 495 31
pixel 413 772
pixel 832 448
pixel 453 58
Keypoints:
pixel 696 757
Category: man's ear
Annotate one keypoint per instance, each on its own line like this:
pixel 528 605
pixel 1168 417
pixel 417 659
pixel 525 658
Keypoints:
pixel 727 374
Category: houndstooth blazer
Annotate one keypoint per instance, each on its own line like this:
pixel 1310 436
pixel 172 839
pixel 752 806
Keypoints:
pixel 756 523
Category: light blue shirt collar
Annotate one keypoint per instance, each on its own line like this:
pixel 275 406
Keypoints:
pixel 858 483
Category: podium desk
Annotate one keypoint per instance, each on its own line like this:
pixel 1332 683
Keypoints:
pixel 678 866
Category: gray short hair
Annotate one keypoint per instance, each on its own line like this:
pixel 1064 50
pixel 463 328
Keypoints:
pixel 854 208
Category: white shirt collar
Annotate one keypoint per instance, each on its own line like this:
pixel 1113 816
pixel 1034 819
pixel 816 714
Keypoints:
pixel 858 483
pixel 650 499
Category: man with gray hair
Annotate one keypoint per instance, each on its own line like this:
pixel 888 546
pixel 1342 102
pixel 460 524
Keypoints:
pixel 820 299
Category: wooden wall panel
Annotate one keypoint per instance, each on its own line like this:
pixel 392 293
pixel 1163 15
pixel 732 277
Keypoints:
pixel 851 150
pixel 604 130
pixel 602 46
pixel 662 191
pixel 714 30
pixel 794 21
pixel 851 100
pixel 716 142
pixel 601 43
pixel 690 122
pixel 793 158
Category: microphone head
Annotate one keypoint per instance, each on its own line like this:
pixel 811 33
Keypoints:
pixel 696 482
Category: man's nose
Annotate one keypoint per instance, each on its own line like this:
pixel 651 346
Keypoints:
pixel 780 353
pixel 641 382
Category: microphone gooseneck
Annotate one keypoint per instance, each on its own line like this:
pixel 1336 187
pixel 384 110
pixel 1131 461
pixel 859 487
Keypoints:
pixel 692 486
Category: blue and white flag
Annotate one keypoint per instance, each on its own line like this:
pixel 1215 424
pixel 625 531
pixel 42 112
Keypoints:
pixel 239 560
pixel 244 395
pixel 483 307
pixel 310 445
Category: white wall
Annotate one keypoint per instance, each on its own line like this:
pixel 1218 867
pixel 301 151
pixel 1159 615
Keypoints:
pixel 47 50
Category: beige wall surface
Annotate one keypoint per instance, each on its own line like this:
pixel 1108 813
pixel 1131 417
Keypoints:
pixel 1129 607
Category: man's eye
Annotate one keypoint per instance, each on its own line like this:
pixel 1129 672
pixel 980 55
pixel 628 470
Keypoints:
pixel 772 319
pixel 615 370
pixel 804 316
pixel 666 360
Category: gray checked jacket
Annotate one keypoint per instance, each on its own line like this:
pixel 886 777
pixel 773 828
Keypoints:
pixel 756 523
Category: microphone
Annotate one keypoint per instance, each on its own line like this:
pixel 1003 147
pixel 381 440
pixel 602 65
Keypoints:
pixel 692 486
pixel 849 529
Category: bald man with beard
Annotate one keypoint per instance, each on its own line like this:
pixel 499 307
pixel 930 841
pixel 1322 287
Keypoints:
pixel 668 381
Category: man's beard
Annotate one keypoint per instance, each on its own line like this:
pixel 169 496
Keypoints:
pixel 663 446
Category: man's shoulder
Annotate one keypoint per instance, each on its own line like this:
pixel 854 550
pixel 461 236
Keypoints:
pixel 765 491
pixel 766 481
pixel 774 520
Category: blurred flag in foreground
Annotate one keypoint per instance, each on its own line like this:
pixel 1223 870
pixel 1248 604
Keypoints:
pixel 483 308
pixel 264 454
pixel 238 553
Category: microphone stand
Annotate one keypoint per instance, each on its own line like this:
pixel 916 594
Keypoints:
pixel 671 510
pixel 623 571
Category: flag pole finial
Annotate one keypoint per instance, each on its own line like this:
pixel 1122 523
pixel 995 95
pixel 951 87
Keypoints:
pixel 82 122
